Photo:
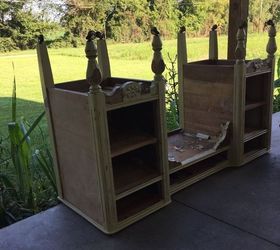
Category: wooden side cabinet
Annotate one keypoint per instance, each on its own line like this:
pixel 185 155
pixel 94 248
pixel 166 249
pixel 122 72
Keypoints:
pixel 109 138
pixel 229 103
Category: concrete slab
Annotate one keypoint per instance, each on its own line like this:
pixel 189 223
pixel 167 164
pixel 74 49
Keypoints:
pixel 235 209
pixel 174 227
pixel 246 197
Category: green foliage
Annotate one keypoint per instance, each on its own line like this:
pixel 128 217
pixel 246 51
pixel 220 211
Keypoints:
pixel 7 44
pixel 262 10
pixel 66 23
pixel 276 97
pixel 26 172
pixel 171 95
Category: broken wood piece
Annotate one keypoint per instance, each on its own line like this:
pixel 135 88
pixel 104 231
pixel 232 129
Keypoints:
pixel 202 136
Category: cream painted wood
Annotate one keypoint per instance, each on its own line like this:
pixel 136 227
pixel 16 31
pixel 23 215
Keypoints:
pixel 271 50
pixel 81 110
pixel 182 59
pixel 47 83
pixel 213 44
pixel 100 135
pixel 239 99
pixel 103 58
pixel 158 67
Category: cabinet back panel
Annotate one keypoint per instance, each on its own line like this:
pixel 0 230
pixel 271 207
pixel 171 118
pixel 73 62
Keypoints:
pixel 208 97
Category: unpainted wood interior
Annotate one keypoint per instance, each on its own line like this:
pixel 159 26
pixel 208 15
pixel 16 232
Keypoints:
pixel 135 157
pixel 139 201
pixel 197 168
pixel 208 106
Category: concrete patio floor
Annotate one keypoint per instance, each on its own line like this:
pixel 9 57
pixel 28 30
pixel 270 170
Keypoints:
pixel 238 208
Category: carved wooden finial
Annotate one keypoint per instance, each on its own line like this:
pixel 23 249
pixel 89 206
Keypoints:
pixel 158 65
pixel 240 51
pixel 93 74
pixel 271 47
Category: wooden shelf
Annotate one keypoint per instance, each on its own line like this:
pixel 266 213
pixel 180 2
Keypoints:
pixel 126 141
pixel 252 105
pixel 191 179
pixel 197 168
pixel 196 159
pixel 131 176
pixel 251 133
pixel 253 154
pixel 139 201
pixel 135 170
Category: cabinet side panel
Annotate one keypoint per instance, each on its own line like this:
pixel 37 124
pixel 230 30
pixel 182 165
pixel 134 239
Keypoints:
pixel 208 98
pixel 76 155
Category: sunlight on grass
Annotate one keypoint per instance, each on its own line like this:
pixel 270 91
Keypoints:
pixel 127 60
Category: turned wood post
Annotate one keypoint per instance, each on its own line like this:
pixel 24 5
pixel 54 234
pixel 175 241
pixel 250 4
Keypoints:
pixel 213 43
pixel 182 59
pixel 158 65
pixel 47 83
pixel 99 135
pixel 93 74
pixel 239 98
pixel 103 56
pixel 158 86
pixel 271 49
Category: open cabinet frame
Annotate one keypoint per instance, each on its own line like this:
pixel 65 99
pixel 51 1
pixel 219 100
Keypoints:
pixel 115 161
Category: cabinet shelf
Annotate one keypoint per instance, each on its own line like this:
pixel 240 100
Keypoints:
pixel 252 133
pixel 255 147
pixel 198 168
pixel 252 105
pixel 129 177
pixel 135 170
pixel 126 141
pixel 138 201
pixel 189 179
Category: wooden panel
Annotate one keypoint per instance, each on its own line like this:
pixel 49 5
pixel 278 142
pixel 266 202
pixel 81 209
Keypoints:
pixel 208 97
pixel 77 163
pixel 79 86
pixel 219 72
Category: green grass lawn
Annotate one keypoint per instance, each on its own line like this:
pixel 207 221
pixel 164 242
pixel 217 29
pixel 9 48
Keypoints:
pixel 127 60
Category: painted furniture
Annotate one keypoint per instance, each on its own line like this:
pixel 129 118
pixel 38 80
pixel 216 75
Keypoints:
pixel 227 100
pixel 115 161
pixel 109 136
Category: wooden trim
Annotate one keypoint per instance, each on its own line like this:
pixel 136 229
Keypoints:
pixel 213 45
pixel 102 145
pixel 175 188
pixel 182 59
pixel 47 83
pixel 103 58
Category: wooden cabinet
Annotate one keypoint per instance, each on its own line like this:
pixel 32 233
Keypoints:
pixel 115 163
pixel 109 137
pixel 229 102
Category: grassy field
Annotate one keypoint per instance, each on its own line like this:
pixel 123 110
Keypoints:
pixel 127 60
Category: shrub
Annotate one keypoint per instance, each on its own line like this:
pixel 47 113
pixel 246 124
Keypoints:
pixel 7 44
pixel 27 179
